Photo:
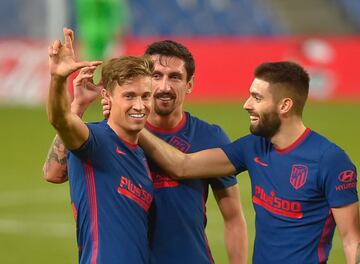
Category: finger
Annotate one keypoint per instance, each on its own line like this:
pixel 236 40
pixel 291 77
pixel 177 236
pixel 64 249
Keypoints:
pixel 50 52
pixel 90 69
pixel 105 103
pixel 68 37
pixel 56 47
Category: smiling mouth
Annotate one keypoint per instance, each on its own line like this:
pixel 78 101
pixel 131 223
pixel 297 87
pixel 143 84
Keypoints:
pixel 165 96
pixel 137 116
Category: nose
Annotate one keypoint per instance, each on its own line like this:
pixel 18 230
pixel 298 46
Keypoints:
pixel 164 85
pixel 247 104
pixel 138 104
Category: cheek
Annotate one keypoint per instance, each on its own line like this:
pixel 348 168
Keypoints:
pixel 148 104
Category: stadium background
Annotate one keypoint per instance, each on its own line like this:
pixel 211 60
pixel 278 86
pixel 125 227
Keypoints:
pixel 228 39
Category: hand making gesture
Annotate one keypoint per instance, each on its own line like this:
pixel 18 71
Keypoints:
pixel 62 61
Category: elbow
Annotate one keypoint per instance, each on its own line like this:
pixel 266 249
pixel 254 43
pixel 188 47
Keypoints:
pixel 59 122
pixel 53 177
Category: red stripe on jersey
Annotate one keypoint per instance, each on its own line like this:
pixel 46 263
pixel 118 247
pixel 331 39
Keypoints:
pixel 165 184
pixel 91 193
pixel 175 129
pixel 325 236
pixel 274 210
pixel 295 144
pixel 203 202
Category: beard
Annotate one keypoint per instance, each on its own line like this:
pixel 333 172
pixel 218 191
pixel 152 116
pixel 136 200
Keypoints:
pixel 268 125
pixel 164 108
pixel 163 111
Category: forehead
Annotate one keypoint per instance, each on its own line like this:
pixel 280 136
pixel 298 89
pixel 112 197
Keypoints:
pixel 139 84
pixel 261 87
pixel 168 62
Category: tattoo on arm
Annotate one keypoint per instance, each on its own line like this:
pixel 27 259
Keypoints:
pixel 57 153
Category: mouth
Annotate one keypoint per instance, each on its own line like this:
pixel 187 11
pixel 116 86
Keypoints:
pixel 254 119
pixel 165 96
pixel 137 116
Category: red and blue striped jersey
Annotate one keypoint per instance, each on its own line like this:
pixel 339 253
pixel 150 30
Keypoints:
pixel 111 192
pixel 293 191
pixel 178 215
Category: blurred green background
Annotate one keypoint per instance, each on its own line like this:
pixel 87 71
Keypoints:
pixel 36 222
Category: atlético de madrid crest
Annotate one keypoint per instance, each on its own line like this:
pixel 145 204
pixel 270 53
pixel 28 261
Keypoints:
pixel 298 175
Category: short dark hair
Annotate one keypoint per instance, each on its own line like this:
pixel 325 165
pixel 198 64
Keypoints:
pixel 289 79
pixel 119 70
pixel 170 48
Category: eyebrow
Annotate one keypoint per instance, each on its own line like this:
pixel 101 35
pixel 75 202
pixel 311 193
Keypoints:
pixel 255 94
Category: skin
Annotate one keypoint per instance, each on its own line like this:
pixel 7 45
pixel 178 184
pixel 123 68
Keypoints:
pixel 263 111
pixel 170 85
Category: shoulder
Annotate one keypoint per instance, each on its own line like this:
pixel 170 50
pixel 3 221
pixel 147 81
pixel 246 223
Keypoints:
pixel 203 125
pixel 328 150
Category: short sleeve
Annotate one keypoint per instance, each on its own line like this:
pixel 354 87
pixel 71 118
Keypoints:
pixel 339 177
pixel 235 153
pixel 221 139
pixel 87 150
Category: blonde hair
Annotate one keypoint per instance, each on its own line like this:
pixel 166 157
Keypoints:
pixel 119 70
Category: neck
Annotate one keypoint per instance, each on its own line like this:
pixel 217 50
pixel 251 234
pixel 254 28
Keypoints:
pixel 166 121
pixel 131 138
pixel 288 133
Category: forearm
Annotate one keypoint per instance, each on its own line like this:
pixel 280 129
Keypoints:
pixel 235 229
pixel 236 241
pixel 68 125
pixel 166 156
pixel 58 103
pixel 347 221
pixel 55 166
pixel 352 251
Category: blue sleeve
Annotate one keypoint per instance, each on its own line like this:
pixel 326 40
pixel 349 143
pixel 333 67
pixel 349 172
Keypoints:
pixel 220 139
pixel 87 150
pixel 236 154
pixel 338 175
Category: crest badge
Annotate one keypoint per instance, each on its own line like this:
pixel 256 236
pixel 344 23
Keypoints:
pixel 298 175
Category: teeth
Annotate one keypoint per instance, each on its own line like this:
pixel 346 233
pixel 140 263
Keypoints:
pixel 165 98
pixel 137 115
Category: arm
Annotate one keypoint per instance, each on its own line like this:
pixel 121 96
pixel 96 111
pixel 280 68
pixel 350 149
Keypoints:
pixel 62 63
pixel 235 229
pixel 203 164
pixel 85 92
pixel 347 220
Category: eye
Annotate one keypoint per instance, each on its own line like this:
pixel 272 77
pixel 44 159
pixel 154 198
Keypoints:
pixel 156 76
pixel 257 98
pixel 128 96
pixel 176 77
pixel 146 97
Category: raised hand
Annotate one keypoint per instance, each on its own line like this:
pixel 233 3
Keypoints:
pixel 85 91
pixel 62 61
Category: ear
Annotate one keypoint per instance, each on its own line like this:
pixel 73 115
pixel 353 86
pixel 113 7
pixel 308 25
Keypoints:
pixel 285 105
pixel 105 94
pixel 190 85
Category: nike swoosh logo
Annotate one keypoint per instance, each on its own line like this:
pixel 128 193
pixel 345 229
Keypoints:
pixel 258 161
pixel 118 151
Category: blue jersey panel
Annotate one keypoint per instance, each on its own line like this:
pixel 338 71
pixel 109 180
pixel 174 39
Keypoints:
pixel 178 212
pixel 293 192
pixel 111 191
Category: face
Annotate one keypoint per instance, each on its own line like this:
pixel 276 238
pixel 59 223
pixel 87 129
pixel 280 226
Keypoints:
pixel 264 117
pixel 130 105
pixel 169 85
